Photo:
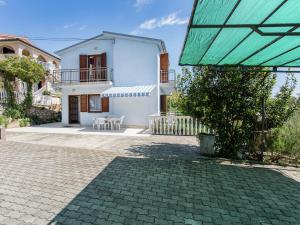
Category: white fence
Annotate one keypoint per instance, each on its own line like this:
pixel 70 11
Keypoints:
pixel 176 125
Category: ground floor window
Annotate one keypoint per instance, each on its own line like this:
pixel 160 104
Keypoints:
pixel 95 103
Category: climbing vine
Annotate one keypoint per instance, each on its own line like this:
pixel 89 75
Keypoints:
pixel 25 69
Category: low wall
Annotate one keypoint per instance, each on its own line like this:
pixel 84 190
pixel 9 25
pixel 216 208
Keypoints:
pixel 40 115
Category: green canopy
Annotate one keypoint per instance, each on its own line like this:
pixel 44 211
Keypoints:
pixel 262 33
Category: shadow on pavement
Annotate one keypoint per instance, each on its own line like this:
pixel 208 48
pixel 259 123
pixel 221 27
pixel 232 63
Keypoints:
pixel 166 191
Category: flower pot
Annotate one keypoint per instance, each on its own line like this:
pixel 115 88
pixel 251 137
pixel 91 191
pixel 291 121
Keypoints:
pixel 207 144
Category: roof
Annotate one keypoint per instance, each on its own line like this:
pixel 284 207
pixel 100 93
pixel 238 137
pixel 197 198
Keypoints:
pixel 106 35
pixel 243 33
pixel 24 40
pixel 134 91
pixel 8 37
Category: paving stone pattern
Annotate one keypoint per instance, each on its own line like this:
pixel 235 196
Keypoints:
pixel 60 185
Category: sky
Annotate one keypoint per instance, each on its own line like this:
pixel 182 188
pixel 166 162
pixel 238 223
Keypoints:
pixel 162 19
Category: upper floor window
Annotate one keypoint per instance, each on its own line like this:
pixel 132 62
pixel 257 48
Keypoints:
pixel 7 50
pixel 25 52
pixel 41 59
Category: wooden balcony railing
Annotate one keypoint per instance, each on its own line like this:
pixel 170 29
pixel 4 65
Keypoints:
pixel 167 76
pixel 69 76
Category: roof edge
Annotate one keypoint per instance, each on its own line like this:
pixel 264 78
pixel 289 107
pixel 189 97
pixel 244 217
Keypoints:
pixel 160 42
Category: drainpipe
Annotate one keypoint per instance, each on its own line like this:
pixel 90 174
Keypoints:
pixel 158 84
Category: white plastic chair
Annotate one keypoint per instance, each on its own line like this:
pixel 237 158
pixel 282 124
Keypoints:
pixel 94 122
pixel 102 122
pixel 120 122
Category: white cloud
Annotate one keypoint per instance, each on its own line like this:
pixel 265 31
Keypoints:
pixel 68 26
pixel 150 24
pixel 83 27
pixel 170 20
pixel 141 3
pixel 3 2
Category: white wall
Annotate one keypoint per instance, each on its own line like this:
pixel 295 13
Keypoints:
pixel 70 58
pixel 85 118
pixel 135 62
pixel 135 109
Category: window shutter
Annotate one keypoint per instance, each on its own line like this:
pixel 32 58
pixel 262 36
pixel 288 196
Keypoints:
pixel 103 60
pixel 105 104
pixel 164 67
pixel 83 103
pixel 83 65
pixel 164 61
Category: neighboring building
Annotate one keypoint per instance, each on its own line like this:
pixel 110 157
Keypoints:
pixel 11 45
pixel 115 74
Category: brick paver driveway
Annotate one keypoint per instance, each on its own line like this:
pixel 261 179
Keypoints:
pixel 160 183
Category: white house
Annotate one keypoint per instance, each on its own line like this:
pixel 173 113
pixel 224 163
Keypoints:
pixel 115 74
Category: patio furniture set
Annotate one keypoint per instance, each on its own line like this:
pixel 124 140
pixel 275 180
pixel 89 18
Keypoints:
pixel 108 122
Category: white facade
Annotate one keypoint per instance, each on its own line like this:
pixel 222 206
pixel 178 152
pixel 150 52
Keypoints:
pixel 130 61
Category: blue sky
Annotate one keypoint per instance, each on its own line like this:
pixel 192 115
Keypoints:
pixel 163 19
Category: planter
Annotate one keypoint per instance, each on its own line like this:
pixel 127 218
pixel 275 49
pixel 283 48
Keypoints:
pixel 207 143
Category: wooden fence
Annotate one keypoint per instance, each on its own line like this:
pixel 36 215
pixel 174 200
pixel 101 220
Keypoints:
pixel 176 125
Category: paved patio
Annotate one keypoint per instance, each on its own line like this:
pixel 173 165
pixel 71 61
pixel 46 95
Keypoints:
pixel 146 180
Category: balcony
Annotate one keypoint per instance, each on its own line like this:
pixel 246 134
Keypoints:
pixel 83 76
pixel 167 81
pixel 167 76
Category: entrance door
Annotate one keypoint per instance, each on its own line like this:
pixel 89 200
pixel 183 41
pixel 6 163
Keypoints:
pixel 73 109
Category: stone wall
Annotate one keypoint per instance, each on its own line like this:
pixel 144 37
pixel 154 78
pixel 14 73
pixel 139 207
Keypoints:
pixel 40 115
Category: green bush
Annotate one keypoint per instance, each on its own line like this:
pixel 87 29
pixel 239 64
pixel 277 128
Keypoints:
pixel 4 121
pixel 13 113
pixel 25 122
pixel 46 92
pixel 285 141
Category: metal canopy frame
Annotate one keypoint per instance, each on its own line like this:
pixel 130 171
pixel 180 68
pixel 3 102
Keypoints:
pixel 256 28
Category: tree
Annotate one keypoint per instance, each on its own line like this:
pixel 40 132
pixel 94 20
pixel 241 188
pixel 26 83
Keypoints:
pixel 229 102
pixel 25 69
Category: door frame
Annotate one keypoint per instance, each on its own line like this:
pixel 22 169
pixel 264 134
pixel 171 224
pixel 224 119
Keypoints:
pixel 69 107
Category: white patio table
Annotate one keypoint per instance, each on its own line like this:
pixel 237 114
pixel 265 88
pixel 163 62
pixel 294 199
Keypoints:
pixel 110 120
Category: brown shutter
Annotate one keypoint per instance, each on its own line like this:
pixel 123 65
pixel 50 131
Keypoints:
pixel 163 104
pixel 164 67
pixel 105 104
pixel 83 65
pixel 103 66
pixel 103 60
pixel 83 103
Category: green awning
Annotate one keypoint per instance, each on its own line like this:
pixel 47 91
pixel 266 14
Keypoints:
pixel 262 33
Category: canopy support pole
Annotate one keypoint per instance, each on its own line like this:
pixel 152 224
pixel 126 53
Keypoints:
pixel 263 123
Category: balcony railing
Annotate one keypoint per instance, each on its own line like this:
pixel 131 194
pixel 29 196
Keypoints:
pixel 73 76
pixel 167 76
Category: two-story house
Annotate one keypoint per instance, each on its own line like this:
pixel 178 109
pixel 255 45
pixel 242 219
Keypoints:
pixel 115 74
pixel 11 45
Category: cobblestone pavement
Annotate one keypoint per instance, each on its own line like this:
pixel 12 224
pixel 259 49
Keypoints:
pixel 150 181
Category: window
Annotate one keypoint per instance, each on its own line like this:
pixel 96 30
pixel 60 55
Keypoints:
pixel 94 103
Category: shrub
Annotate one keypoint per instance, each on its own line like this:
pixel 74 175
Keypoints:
pixel 285 141
pixel 25 122
pixel 46 92
pixel 4 121
pixel 13 113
